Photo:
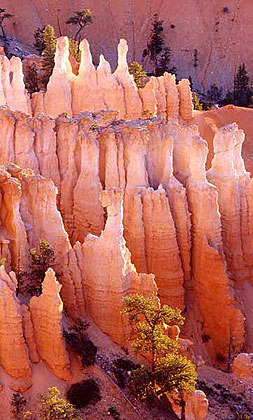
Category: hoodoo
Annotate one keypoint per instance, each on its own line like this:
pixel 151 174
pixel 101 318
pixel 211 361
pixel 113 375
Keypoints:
pixel 114 178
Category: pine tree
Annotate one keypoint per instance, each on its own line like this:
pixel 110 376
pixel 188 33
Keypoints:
pixel 156 41
pixel 140 76
pixel 158 53
pixel 214 94
pixel 242 93
pixel 48 54
pixel 169 371
pixel 81 19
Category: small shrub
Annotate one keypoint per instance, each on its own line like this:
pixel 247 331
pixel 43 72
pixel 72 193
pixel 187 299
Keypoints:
pixel 18 405
pixel 147 114
pixel 120 368
pixel 84 393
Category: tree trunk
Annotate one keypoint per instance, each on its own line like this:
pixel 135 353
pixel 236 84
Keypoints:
pixel 3 30
pixel 182 404
pixel 78 32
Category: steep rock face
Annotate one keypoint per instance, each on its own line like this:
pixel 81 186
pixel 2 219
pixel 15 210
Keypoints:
pixel 29 334
pixel 13 233
pixel 20 95
pixel 212 289
pixel 108 274
pixel 111 89
pixel 132 98
pixel 88 214
pixel 45 147
pixel 86 93
pixel 13 351
pixel 67 142
pixel 185 100
pixel 161 247
pixel 224 176
pixel 46 313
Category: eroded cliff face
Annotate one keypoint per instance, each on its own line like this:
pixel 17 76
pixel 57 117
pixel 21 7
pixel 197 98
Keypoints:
pixel 128 207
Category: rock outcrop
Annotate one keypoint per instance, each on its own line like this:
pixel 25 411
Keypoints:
pixel 13 351
pixel 242 366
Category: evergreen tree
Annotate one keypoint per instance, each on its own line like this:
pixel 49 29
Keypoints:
pixel 80 19
pixel 39 43
pixel 242 92
pixel 31 79
pixel 140 76
pixel 229 98
pixel 214 94
pixel 158 53
pixel 48 52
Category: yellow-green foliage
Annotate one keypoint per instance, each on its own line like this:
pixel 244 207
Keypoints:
pixel 140 76
pixel 169 371
pixel 48 53
pixel 74 50
pixel 53 407
pixel 197 105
